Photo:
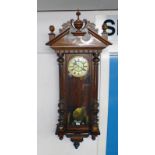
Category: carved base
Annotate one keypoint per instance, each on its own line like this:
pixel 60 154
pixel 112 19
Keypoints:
pixel 77 138
pixel 78 135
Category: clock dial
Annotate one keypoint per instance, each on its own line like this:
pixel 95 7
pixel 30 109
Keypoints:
pixel 78 66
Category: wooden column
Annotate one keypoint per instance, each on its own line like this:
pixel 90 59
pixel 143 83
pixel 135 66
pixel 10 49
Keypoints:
pixel 60 131
pixel 95 104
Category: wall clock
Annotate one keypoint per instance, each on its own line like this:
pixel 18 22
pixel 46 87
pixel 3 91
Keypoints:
pixel 78 47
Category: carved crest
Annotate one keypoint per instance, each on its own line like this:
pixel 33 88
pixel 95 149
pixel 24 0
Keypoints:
pixel 78 34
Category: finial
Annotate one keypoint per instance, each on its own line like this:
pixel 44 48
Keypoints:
pixel 104 27
pixel 104 33
pixel 52 28
pixel 51 34
pixel 78 25
pixel 78 13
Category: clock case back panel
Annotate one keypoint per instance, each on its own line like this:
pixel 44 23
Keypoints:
pixel 78 91
pixel 78 95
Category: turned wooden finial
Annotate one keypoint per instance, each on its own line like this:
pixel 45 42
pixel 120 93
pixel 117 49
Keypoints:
pixel 51 34
pixel 78 13
pixel 104 28
pixel 78 25
pixel 52 28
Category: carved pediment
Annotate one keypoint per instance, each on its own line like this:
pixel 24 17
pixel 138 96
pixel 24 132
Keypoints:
pixel 78 34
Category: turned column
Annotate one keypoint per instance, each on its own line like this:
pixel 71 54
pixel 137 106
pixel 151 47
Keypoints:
pixel 61 121
pixel 95 104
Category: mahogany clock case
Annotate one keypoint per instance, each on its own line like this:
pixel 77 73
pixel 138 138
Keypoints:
pixel 78 99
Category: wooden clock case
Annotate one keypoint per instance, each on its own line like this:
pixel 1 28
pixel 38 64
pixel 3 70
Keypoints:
pixel 78 38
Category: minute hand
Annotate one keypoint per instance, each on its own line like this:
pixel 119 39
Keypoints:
pixel 81 67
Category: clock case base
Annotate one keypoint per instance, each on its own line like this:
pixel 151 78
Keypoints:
pixel 77 134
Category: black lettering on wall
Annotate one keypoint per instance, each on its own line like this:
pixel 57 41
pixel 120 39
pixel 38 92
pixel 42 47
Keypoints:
pixel 111 28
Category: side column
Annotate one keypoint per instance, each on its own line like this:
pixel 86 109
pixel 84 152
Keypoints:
pixel 94 104
pixel 60 131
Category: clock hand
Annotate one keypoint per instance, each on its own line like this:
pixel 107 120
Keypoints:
pixel 81 67
pixel 76 65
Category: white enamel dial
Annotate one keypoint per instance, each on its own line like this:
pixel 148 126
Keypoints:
pixel 78 66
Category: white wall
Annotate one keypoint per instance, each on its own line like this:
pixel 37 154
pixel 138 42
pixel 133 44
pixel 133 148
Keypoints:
pixel 48 84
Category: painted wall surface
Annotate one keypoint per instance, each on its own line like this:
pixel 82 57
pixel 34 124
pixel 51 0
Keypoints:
pixel 48 91
pixel 74 4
